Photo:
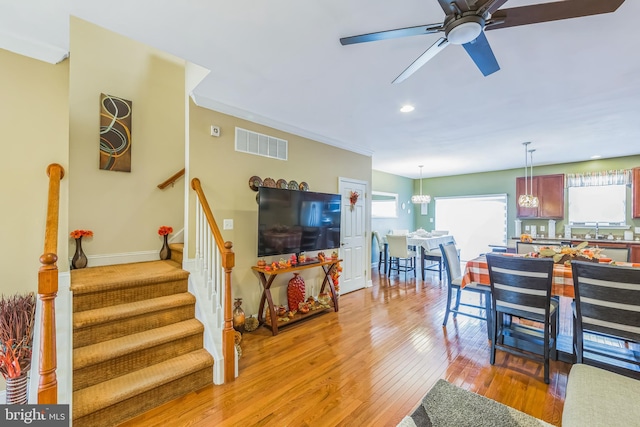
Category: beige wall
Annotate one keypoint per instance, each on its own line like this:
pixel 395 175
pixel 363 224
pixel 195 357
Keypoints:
pixel 35 128
pixel 225 174
pixel 124 210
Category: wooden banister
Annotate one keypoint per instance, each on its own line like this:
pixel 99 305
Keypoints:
pixel 171 180
pixel 228 262
pixel 48 290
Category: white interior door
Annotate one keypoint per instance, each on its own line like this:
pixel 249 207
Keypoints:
pixel 352 236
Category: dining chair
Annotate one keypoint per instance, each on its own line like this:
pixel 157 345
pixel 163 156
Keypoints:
pixel 451 257
pixel 381 256
pixel 607 304
pixel 401 258
pixel 615 254
pixel 521 289
pixel 435 256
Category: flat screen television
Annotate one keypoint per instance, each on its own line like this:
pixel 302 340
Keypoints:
pixel 292 221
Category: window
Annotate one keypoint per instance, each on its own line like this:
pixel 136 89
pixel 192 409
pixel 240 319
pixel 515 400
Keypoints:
pixel 384 205
pixel 603 204
pixel 598 197
pixel 474 221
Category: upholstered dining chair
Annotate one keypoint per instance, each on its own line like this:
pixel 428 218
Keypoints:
pixel 607 304
pixel 451 257
pixel 521 288
pixel 380 245
pixel 401 258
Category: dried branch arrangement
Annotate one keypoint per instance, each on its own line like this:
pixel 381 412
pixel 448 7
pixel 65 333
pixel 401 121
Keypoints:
pixel 17 317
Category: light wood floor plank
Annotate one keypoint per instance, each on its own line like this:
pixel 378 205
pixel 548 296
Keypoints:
pixel 370 364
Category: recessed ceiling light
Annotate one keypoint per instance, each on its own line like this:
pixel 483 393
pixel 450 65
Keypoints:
pixel 407 108
pixel 596 156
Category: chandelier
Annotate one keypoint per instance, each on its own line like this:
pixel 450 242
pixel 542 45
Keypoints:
pixel 528 200
pixel 420 199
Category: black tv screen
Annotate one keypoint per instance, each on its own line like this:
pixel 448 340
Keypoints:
pixel 292 221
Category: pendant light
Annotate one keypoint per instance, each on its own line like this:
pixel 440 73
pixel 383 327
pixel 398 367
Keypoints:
pixel 528 200
pixel 420 199
pixel 534 200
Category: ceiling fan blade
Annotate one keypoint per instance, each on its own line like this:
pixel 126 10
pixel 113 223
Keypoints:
pixel 453 6
pixel 546 12
pixel 435 48
pixel 392 34
pixel 481 53
pixel 490 6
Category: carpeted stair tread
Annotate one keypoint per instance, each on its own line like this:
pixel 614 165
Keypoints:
pixel 102 395
pixel 110 277
pixel 96 316
pixel 102 351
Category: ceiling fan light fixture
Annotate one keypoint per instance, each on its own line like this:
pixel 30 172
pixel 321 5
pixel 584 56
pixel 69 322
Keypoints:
pixel 464 30
pixel 407 108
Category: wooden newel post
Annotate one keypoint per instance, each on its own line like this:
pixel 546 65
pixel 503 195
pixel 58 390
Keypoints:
pixel 228 333
pixel 47 292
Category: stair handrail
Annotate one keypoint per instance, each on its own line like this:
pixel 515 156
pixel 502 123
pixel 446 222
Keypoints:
pixel 48 290
pixel 172 179
pixel 228 262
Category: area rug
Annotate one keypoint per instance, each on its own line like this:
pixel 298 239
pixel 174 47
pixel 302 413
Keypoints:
pixel 446 405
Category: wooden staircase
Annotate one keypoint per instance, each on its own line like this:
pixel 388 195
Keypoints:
pixel 136 342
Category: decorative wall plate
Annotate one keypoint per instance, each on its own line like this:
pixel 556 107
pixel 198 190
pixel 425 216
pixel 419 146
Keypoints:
pixel 281 183
pixel 303 186
pixel 269 182
pixel 255 182
pixel 293 185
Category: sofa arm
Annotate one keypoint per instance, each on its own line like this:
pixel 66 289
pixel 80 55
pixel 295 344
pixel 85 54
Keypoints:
pixel 599 398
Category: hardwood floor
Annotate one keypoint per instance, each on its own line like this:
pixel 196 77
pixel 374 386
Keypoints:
pixel 369 364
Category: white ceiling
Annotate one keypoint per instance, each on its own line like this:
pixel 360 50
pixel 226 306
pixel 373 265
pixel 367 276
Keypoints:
pixel 571 87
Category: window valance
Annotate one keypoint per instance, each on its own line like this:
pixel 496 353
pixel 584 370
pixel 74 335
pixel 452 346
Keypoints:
pixel 589 179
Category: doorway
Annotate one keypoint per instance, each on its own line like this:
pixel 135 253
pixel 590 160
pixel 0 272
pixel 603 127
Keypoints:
pixel 353 242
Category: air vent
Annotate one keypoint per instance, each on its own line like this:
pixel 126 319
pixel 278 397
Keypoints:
pixel 261 144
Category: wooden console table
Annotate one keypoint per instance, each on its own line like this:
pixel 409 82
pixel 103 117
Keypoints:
pixel 267 278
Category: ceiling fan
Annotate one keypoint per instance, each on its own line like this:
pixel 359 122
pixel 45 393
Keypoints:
pixel 466 20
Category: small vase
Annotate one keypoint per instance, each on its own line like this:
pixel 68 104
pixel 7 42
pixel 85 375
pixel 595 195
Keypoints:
pixel 79 259
pixel 17 390
pixel 295 292
pixel 165 252
pixel 238 316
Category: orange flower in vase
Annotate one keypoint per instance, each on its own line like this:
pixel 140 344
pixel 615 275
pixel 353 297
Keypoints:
pixel 164 231
pixel 79 259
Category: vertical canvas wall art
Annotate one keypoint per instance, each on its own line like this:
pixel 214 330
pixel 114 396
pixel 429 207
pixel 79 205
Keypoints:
pixel 115 133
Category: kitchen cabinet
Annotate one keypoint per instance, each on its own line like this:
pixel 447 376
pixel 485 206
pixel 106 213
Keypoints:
pixel 550 192
pixel 635 193
pixel 634 253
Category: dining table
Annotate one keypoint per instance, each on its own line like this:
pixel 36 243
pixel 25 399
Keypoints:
pixel 429 244
pixel 426 243
pixel 477 271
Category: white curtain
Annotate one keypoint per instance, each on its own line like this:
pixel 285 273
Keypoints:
pixel 589 179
